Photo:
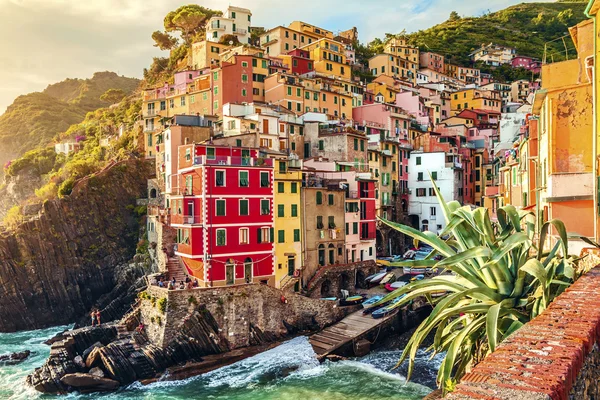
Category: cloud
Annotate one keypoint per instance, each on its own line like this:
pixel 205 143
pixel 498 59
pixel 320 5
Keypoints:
pixel 46 41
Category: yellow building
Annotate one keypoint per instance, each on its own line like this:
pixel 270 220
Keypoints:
pixel 379 88
pixel 393 65
pixel 566 138
pixel 593 11
pixel 475 99
pixel 288 222
pixel 205 53
pixel 280 40
pixel 399 47
pixel 329 58
pixel 310 30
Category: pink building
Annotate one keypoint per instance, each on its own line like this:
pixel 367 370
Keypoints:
pixel 432 61
pixel 529 63
pixel 383 116
pixel 414 104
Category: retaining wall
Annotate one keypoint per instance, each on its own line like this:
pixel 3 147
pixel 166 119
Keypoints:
pixel 555 356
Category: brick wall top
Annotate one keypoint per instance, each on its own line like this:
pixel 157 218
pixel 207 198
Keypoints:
pixel 543 359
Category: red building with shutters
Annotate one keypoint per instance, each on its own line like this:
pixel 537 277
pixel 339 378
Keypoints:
pixel 222 211
pixel 368 211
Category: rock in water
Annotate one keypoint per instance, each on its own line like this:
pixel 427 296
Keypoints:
pixel 89 382
pixel 87 351
pixel 15 358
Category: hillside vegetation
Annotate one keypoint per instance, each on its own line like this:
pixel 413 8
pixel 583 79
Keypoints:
pixel 35 119
pixel 526 27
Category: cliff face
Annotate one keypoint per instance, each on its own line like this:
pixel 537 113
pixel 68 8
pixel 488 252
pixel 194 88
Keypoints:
pixel 54 268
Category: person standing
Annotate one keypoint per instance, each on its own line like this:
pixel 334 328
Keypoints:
pixel 93 315
pixel 98 317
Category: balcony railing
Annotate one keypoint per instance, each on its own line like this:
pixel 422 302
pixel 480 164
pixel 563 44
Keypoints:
pixel 234 161
pixel 240 31
pixel 150 113
pixel 186 219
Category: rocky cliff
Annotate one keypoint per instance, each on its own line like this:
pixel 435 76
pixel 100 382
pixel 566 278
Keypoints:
pixel 58 265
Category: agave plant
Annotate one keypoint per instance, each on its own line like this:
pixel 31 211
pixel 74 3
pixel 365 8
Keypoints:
pixel 496 276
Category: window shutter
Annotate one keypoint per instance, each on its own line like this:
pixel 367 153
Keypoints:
pixel 258 235
pixel 272 234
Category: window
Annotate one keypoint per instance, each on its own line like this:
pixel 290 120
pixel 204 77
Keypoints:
pixel 265 207
pixel 265 235
pixel 220 178
pixel 281 210
pixel 419 176
pixel 281 236
pixel 432 211
pixel 431 192
pixel 221 237
pixel 296 235
pixel 355 144
pixel 331 222
pixel 244 207
pixel 244 78
pixel 210 153
pixel 264 179
pixel 245 64
pixel 330 199
pixel 244 236
pixel 421 192
pixel 294 210
pixel 172 103
pixel 244 93
pixel 434 175
pixel 477 189
pixel 282 166
pixel 321 145
pixel 355 228
pixel 418 160
pixel 294 187
pixel 182 100
pixel 319 222
pixel 220 208
pixel 243 179
pixel 216 90
pixel 319 198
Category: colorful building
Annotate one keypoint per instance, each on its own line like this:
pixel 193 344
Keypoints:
pixel 475 99
pixel 493 55
pixel 432 61
pixel 222 209
pixel 236 22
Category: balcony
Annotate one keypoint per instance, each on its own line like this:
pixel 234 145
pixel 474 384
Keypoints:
pixel 234 161
pixel 353 194
pixel 216 25
pixel 186 219
pixel 240 31
pixel 150 113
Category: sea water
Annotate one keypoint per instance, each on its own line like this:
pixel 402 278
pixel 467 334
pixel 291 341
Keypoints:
pixel 287 372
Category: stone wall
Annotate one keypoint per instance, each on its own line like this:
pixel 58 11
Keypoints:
pixel 329 280
pixel 241 312
pixel 555 356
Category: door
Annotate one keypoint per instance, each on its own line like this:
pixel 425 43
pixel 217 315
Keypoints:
pixel 248 270
pixel 306 150
pixel 190 212
pixel 230 274
pixel 265 126
pixel 291 266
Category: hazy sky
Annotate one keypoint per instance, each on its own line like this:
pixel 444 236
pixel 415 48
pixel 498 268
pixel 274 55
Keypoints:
pixel 46 41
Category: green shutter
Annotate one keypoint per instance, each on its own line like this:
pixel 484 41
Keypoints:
pixel 280 210
pixel 258 234
pixel 294 210
pixel 272 235
pixel 243 207
pixel 294 187
pixel 296 235
pixel 319 198
pixel 281 236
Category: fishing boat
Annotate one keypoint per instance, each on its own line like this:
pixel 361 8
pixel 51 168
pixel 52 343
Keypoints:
pixel 390 277
pixel 414 271
pixel 387 310
pixel 390 287
pixel 328 298
pixel 378 277
pixel 418 278
pixel 369 302
pixel 352 300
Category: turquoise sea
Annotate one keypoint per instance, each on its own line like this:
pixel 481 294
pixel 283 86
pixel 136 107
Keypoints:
pixel 287 372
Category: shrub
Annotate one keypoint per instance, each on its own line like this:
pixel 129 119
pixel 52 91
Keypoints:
pixel 13 217
pixel 47 192
pixel 66 187
pixel 162 305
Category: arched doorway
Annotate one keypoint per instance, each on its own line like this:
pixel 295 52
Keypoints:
pixel 360 280
pixel 331 254
pixel 321 255
pixel 152 193
pixel 248 270
pixel 425 225
pixel 345 282
pixel 326 288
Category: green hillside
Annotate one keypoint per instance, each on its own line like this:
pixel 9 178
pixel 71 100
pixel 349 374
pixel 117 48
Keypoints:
pixel 526 27
pixel 33 120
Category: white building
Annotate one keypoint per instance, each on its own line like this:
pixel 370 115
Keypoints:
pixel 446 171
pixel 67 148
pixel 236 21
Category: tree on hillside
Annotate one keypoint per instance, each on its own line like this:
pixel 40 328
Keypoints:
pixel 163 40
pixel 113 96
pixel 255 34
pixel 190 21
pixel 454 16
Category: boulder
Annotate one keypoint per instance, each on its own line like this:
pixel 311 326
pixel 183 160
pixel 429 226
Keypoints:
pixel 97 372
pixel 87 351
pixel 79 361
pixel 89 382
pixel 15 358
pixel 93 358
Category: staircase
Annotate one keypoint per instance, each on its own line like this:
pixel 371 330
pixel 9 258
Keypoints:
pixel 175 270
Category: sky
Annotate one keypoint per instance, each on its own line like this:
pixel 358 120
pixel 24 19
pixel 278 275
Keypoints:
pixel 47 41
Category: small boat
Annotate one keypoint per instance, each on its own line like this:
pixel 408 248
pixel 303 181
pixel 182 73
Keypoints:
pixel 387 310
pixel 418 278
pixel 389 277
pixel 438 293
pixel 369 302
pixel 329 298
pixel 352 300
pixel 414 271
pixel 375 280
pixel 368 278
pixel 390 287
